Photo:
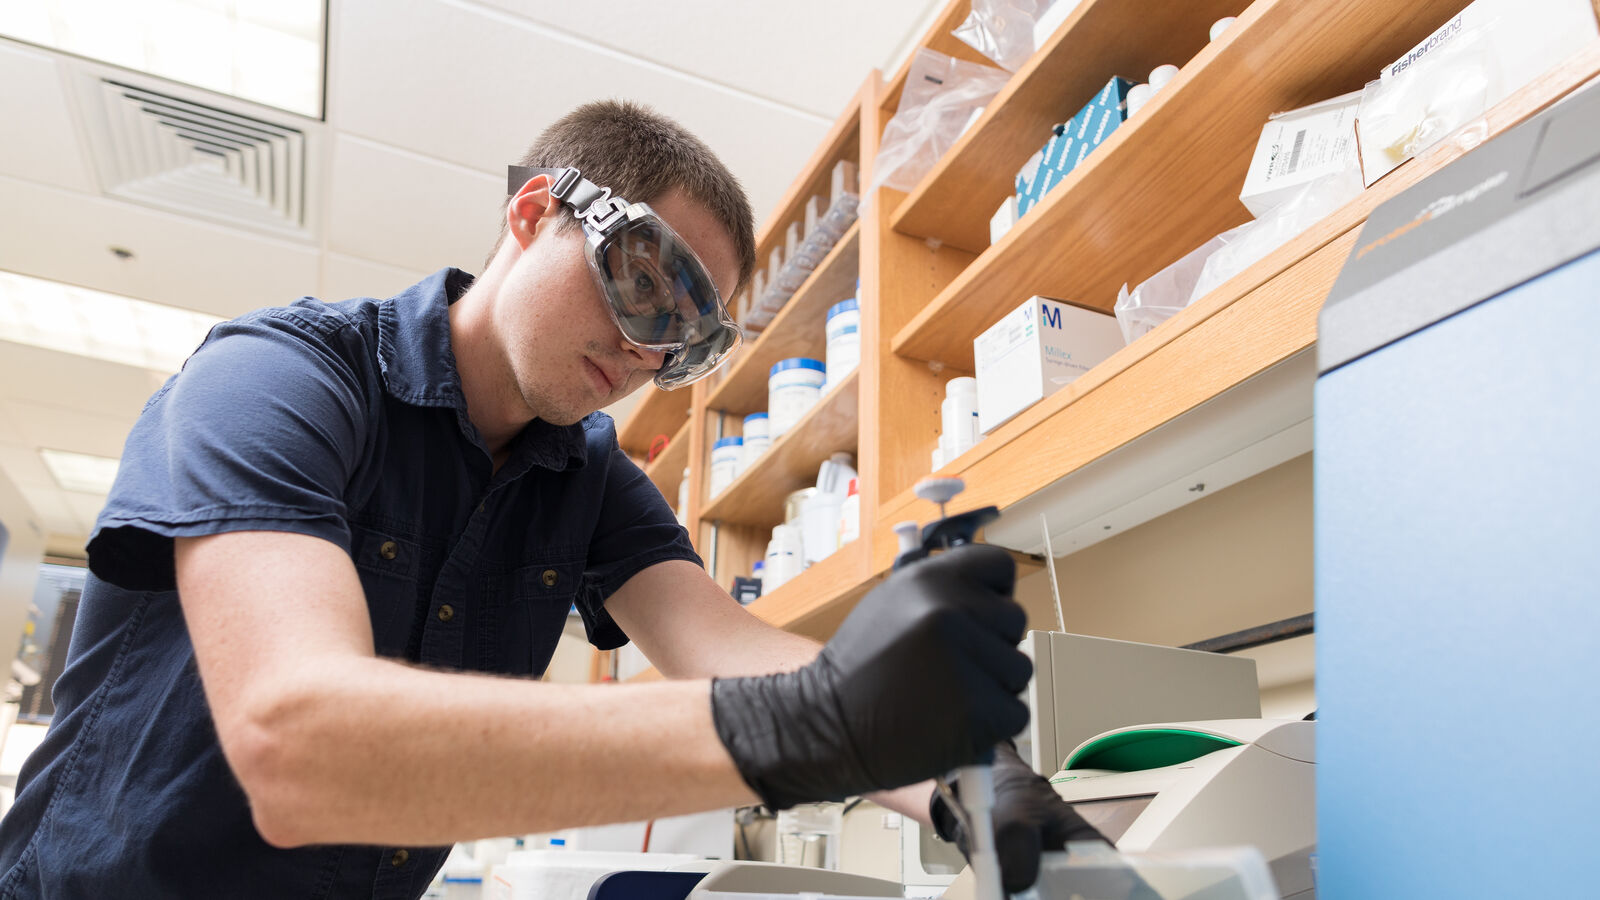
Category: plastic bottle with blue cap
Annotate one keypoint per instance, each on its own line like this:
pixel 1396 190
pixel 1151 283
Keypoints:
pixel 793 387
pixel 726 456
pixel 843 329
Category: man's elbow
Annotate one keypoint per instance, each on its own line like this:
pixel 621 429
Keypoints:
pixel 272 753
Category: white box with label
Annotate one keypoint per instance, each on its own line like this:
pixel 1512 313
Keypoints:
pixel 1040 347
pixel 1298 147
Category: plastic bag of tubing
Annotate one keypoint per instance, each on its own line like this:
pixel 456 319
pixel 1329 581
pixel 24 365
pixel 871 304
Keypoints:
pixel 1002 30
pixel 940 97
pixel 1160 297
pixel 1250 242
pixel 1444 94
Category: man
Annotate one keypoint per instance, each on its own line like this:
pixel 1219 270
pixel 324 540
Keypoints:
pixel 337 515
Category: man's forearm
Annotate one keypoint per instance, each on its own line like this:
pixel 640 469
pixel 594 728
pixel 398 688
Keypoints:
pixel 371 751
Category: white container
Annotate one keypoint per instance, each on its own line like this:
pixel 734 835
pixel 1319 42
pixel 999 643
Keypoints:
pixel 850 514
pixel 959 417
pixel 683 498
pixel 1296 148
pixel 534 874
pixel 1036 350
pixel 756 439
pixel 793 387
pixel 785 557
pixel 1160 75
pixel 726 455
pixel 820 526
pixel 844 339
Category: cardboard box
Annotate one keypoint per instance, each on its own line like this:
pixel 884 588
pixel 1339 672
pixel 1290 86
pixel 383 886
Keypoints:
pixel 1516 40
pixel 1071 142
pixel 1040 347
pixel 1003 219
pixel 1298 147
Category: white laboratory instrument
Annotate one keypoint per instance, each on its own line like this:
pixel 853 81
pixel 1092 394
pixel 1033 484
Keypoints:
pixel 1083 686
pixel 1187 785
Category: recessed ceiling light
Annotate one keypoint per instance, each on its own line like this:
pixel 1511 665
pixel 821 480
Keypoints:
pixel 80 471
pixel 267 51
pixel 78 320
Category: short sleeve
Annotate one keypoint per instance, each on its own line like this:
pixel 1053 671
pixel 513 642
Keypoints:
pixel 261 430
pixel 636 529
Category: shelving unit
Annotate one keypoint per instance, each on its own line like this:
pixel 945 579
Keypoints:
pixel 797 330
pixel 790 463
pixel 1221 389
pixel 658 412
pixel 666 470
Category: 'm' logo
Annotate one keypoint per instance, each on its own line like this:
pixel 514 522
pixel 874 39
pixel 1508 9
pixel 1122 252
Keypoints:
pixel 1050 316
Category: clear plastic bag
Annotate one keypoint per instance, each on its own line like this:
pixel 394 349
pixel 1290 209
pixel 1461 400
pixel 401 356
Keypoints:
pixel 1443 94
pixel 1244 245
pixel 1160 297
pixel 935 107
pixel 1002 30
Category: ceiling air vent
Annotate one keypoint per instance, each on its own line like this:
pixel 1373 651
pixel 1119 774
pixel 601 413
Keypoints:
pixel 194 157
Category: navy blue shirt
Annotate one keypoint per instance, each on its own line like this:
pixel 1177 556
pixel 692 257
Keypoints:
pixel 344 421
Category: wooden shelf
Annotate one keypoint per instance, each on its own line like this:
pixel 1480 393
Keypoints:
pixel 1168 180
pixel 658 412
pixel 797 330
pixel 666 470
pixel 1256 320
pixel 1099 39
pixel 756 497
pixel 814 602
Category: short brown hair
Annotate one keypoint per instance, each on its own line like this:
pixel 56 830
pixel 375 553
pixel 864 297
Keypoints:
pixel 642 156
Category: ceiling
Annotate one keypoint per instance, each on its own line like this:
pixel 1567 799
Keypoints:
pixel 427 101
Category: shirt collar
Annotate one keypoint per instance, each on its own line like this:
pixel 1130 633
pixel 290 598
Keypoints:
pixel 419 367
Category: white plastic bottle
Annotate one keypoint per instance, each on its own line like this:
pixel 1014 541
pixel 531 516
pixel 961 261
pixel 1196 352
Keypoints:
pixel 793 387
pixel 726 455
pixel 844 340
pixel 785 557
pixel 958 418
pixel 683 498
pixel 756 438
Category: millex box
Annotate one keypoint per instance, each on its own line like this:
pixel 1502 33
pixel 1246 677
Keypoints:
pixel 1037 349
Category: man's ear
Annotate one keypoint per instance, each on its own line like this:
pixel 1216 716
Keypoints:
pixel 531 209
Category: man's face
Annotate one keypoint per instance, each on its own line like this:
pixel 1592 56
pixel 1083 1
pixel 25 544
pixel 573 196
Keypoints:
pixel 566 354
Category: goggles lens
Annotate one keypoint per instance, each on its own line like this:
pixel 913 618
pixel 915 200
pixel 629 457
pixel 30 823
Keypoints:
pixel 662 299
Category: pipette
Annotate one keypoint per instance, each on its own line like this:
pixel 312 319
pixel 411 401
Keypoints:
pixel 974 809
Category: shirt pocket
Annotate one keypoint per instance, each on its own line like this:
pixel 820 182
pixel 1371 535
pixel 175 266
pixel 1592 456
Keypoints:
pixel 388 563
pixel 538 597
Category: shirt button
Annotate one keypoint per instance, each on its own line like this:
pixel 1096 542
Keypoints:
pixel 399 858
pixel 446 613
pixel 550 577
pixel 389 550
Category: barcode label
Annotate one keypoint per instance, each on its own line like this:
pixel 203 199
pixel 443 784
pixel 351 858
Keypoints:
pixel 1294 153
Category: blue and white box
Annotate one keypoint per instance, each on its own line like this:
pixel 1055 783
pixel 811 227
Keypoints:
pixel 1039 348
pixel 1072 142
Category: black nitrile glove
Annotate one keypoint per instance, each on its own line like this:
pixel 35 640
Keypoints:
pixel 1029 818
pixel 922 678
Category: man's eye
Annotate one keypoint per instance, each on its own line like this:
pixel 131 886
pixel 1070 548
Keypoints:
pixel 644 287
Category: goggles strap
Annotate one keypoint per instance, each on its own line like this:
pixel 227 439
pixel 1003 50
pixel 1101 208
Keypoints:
pixel 593 204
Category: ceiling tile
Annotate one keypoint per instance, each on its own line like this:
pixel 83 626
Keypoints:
pixel 811 55
pixel 408 211
pixel 50 507
pixel 85 509
pixel 52 233
pixel 49 152
pixel 60 428
pixel 439 80
pixel 344 277
pixel 23 465
pixel 33 374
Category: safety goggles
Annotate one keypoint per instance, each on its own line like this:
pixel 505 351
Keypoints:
pixel 656 288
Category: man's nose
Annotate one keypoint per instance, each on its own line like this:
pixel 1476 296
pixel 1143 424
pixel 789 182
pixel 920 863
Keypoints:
pixel 648 359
